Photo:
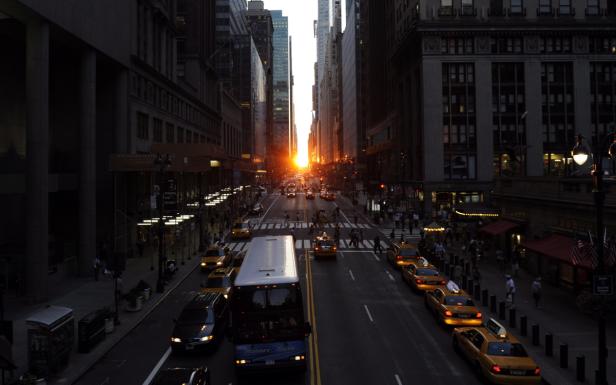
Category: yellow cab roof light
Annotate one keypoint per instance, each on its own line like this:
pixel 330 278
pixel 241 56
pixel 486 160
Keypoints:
pixel 496 328
pixel 453 287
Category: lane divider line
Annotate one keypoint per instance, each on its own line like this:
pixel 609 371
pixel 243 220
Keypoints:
pixel 368 312
pixel 398 379
pixel 268 209
pixel 351 274
pixel 376 257
pixel 160 363
pixel 391 277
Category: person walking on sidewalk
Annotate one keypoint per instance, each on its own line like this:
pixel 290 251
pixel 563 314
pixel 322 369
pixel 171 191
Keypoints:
pixel 377 245
pixel 97 267
pixel 510 290
pixel 536 290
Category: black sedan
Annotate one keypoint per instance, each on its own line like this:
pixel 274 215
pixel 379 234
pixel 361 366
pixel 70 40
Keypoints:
pixel 201 324
pixel 183 376
pixel 257 209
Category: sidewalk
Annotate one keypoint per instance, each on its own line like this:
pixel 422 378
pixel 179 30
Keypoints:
pixel 557 314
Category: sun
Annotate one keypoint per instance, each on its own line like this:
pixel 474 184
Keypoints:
pixel 300 161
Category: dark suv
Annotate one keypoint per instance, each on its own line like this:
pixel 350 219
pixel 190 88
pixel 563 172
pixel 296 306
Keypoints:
pixel 201 324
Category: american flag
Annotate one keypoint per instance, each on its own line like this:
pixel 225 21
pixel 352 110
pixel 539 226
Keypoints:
pixel 610 251
pixel 582 251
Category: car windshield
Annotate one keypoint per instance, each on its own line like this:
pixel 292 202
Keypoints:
pixel 173 377
pixel 240 226
pixel 193 316
pixel 427 272
pixel 456 300
pixel 216 282
pixel 407 252
pixel 325 243
pixel 214 253
pixel 506 349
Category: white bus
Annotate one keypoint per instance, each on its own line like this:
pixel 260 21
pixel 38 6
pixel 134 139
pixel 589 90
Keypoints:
pixel 267 308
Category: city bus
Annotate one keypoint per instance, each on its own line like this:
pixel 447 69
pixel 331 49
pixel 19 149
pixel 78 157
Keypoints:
pixel 267 309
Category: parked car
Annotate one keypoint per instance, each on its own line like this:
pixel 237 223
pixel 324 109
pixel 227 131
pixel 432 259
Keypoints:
pixel 183 376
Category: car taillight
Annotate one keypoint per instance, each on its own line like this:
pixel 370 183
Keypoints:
pixel 418 281
pixel 478 315
pixel 398 257
pixel 537 371
pixel 317 248
pixel 443 282
pixel 448 313
pixel 495 369
pixel 334 248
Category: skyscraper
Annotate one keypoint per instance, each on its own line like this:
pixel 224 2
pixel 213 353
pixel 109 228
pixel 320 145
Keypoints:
pixel 281 127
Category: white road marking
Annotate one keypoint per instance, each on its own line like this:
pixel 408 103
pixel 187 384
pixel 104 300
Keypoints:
pixel 157 367
pixel 391 277
pixel 376 257
pixel 298 244
pixel 398 379
pixel 346 225
pixel 370 244
pixel 351 274
pixel 368 312
pixel 306 243
pixel 232 245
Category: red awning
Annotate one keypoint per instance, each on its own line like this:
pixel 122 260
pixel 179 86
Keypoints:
pixel 498 227
pixel 555 246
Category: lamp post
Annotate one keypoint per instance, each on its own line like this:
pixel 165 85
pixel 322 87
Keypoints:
pixel 162 164
pixel 580 155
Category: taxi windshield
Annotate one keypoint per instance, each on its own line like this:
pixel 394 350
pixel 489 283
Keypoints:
pixel 214 253
pixel 506 349
pixel 240 226
pixel 407 252
pixel 196 316
pixel 325 243
pixel 427 272
pixel 218 282
pixel 458 301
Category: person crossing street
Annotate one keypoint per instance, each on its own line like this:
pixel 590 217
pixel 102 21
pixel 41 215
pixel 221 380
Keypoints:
pixel 377 245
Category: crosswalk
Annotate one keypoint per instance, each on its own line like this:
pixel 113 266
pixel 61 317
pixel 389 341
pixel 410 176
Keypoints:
pixel 304 225
pixel 302 244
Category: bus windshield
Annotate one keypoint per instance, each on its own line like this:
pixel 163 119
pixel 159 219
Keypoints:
pixel 268 314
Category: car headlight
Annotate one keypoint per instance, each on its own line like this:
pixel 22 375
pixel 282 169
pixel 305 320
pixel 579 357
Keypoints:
pixel 202 263
pixel 207 338
pixel 176 340
pixel 241 362
pixel 226 296
pixel 218 263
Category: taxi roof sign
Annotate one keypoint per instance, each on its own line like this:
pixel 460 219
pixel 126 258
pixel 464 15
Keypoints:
pixel 496 328
pixel 453 287
pixel 423 262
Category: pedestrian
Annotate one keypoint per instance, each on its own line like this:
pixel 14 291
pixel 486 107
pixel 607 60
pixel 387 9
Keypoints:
pixel 476 274
pixel 536 290
pixel 97 267
pixel 361 235
pixel 510 289
pixel 415 220
pixel 377 245
pixel 457 274
pixel 410 226
pixel 392 235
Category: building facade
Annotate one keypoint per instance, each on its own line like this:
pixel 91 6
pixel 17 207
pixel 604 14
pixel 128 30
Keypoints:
pixel 281 82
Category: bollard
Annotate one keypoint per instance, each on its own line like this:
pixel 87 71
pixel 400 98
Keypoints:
pixel 580 368
pixel 492 304
pixel 501 310
pixel 549 344
pixel 477 292
pixel 564 356
pixel 484 297
pixel 535 336
pixel 512 317
pixel 469 287
pixel 523 326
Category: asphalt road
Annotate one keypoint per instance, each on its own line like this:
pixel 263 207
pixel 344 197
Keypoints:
pixel 370 327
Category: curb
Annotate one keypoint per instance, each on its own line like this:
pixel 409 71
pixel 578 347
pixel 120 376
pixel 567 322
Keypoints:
pixel 139 321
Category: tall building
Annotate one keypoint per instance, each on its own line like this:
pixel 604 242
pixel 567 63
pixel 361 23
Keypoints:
pixel 485 102
pixel 322 30
pixel 230 24
pixel 281 148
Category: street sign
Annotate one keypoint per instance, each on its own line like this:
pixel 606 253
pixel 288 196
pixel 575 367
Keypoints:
pixel 603 285
pixel 171 197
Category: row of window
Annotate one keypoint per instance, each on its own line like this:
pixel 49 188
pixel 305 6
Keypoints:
pixel 516 7
pixel 515 45
pixel 172 134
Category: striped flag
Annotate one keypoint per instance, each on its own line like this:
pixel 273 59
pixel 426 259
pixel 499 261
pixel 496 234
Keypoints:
pixel 577 253
pixel 581 252
pixel 610 252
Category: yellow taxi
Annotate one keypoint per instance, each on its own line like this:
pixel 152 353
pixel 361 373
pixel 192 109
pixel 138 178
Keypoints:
pixel 241 230
pixel 324 246
pixel 497 355
pixel 220 281
pixel 422 276
pixel 453 306
pixel 402 253
pixel 215 257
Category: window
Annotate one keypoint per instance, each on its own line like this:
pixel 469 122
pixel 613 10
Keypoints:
pixel 180 136
pixel 564 7
pixel 467 8
pixel 170 133
pixel 545 7
pixel 603 97
pixel 446 8
pixel 157 130
pixel 143 126
pixel 592 7
pixel 516 7
pixel 188 136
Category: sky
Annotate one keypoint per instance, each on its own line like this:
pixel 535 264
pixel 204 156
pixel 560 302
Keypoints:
pixel 301 14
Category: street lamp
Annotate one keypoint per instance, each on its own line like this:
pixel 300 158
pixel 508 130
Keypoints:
pixel 580 155
pixel 162 164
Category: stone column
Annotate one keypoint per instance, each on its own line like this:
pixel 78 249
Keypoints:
pixel 122 141
pixel 37 173
pixel 87 170
pixel 534 134
pixel 121 113
pixel 432 77
pixel 483 109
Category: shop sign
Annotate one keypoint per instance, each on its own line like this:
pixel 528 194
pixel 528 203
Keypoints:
pixel 170 198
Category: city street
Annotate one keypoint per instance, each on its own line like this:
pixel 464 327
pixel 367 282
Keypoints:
pixel 370 327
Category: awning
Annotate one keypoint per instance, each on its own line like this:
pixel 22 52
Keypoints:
pixel 498 227
pixel 434 228
pixel 476 210
pixel 555 246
